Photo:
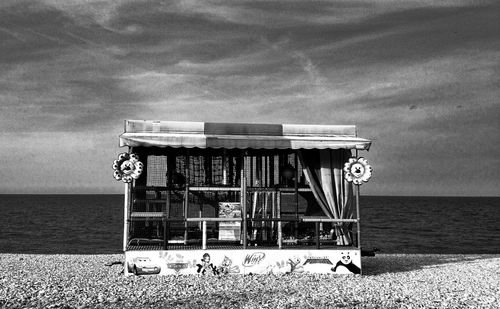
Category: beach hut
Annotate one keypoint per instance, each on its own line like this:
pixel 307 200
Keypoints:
pixel 234 198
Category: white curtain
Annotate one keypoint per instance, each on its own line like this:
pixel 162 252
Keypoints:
pixel 323 170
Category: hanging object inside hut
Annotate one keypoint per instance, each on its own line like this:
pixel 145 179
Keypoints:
pixel 357 170
pixel 127 167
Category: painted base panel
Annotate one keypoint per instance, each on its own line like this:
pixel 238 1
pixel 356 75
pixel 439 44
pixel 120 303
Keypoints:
pixel 225 262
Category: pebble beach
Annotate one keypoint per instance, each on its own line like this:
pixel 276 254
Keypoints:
pixel 388 281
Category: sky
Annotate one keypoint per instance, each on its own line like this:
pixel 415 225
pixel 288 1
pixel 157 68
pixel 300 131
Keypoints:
pixel 421 79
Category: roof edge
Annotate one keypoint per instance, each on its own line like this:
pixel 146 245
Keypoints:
pixel 227 128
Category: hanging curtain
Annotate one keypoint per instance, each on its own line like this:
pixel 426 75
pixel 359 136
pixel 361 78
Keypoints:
pixel 323 169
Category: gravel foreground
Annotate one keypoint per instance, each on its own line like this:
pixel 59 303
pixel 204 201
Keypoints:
pixel 388 281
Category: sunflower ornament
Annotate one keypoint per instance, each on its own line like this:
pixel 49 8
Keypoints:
pixel 127 167
pixel 357 170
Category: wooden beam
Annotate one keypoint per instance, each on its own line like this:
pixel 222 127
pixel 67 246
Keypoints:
pixel 210 219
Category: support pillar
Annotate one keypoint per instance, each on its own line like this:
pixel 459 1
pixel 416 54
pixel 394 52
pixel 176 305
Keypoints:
pixel 126 214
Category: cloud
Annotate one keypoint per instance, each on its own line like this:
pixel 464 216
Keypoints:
pixel 58 162
pixel 397 69
pixel 291 13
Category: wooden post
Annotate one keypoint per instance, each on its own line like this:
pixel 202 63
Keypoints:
pixel 251 171
pixel 278 215
pixel 207 162
pixel 166 224
pixel 266 161
pixel 186 202
pixel 358 217
pixel 224 167
pixel 296 186
pixel 170 170
pixel 317 234
pixel 186 194
pixel 357 213
pixel 243 201
pixel 273 213
pixel 126 214
pixel 237 169
pixel 280 167
pixel 166 234
pixel 204 236
pixel 271 171
pixel 253 216
pixel 231 181
pixel 186 167
pixel 258 170
pixel 264 224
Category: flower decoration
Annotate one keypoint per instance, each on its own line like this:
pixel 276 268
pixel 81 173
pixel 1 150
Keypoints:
pixel 357 170
pixel 127 167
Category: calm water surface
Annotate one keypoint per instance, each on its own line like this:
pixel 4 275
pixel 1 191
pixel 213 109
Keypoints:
pixel 93 224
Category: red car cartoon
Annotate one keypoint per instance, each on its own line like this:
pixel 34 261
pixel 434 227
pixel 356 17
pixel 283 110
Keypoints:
pixel 143 266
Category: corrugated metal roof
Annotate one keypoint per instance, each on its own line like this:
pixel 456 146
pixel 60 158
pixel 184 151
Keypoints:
pixel 147 133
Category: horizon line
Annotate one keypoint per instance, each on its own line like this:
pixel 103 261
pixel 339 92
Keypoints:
pixel 367 195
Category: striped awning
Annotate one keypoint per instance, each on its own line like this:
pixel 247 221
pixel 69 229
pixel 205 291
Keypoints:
pixel 147 133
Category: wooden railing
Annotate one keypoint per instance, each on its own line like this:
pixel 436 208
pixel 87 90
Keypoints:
pixel 162 216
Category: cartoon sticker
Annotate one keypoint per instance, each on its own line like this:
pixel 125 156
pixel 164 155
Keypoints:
pixel 143 266
pixel 227 267
pixel 345 265
pixel 253 259
pixel 127 167
pixel 317 264
pixel 357 170
pixel 206 265
pixel 178 266
pixel 227 262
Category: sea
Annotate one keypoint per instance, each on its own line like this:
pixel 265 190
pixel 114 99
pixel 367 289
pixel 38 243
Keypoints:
pixel 92 224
